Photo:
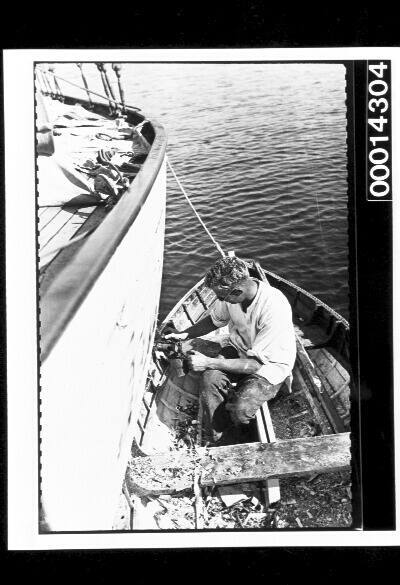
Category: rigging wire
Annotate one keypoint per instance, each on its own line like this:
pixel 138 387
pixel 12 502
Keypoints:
pixel 94 92
pixel 220 250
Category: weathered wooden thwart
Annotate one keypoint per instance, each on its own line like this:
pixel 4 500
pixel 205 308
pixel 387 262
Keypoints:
pixel 174 472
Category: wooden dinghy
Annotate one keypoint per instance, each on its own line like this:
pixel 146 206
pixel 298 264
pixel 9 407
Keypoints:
pixel 171 469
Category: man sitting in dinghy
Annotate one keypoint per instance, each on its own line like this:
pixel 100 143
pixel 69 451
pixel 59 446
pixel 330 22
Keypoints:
pixel 260 354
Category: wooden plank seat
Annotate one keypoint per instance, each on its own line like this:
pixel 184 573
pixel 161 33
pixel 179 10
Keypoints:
pixel 173 472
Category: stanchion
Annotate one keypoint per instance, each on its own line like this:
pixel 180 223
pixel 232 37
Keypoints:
pixel 117 69
pixel 85 84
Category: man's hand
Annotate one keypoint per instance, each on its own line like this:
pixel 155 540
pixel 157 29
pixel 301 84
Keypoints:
pixel 171 333
pixel 176 336
pixel 198 362
pixel 199 329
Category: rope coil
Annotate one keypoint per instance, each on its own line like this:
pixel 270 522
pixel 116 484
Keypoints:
pixel 214 241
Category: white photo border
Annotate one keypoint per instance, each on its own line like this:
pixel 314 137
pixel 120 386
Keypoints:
pixel 22 360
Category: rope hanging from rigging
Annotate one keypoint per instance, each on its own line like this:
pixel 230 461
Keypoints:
pixel 220 250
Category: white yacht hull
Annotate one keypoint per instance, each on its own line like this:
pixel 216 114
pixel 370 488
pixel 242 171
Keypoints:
pixel 93 379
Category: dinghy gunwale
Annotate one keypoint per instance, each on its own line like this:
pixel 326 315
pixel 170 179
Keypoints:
pixel 297 290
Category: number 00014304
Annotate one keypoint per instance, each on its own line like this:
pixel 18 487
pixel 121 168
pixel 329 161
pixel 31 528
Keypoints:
pixel 378 135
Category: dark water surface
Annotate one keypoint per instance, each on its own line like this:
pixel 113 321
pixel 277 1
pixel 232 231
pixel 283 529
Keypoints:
pixel 261 149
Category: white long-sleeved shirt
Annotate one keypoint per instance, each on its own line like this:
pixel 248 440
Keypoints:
pixel 265 331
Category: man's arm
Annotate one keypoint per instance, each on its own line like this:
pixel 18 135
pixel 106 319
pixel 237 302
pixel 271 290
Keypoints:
pixel 199 362
pixel 199 329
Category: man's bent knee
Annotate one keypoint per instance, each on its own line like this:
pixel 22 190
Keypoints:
pixel 242 412
pixel 256 388
pixel 249 397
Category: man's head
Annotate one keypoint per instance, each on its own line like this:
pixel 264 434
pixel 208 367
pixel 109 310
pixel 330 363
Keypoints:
pixel 229 279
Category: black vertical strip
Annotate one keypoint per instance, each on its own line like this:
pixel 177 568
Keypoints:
pixel 373 224
pixel 354 378
pixel 4 446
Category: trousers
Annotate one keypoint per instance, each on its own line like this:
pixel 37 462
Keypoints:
pixel 228 410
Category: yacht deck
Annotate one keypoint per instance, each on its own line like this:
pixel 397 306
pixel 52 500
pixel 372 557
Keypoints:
pixel 69 208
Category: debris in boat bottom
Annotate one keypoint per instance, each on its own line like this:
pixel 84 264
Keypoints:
pixel 314 476
pixel 177 513
pixel 322 506
pixel 279 522
pixel 164 497
pixel 258 516
pixel 247 513
pixel 256 502
pixel 233 494
pixel 230 495
pixel 298 414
